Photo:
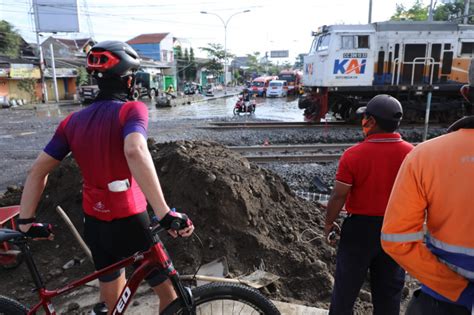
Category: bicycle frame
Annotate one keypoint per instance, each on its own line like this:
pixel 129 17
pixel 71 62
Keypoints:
pixel 154 258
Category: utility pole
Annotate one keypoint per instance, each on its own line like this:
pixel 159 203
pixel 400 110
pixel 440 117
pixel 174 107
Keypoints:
pixel 430 12
pixel 466 11
pixel 370 11
pixel 53 66
pixel 44 89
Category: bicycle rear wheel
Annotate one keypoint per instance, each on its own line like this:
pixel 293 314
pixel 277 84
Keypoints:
pixel 11 307
pixel 225 299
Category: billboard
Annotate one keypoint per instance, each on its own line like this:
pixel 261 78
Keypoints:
pixel 279 54
pixel 24 71
pixel 53 16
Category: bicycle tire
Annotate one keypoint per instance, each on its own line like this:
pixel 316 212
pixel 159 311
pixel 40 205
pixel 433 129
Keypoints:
pixel 11 307
pixel 247 297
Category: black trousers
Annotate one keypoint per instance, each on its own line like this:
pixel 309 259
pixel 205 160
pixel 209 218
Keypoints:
pixel 424 304
pixel 360 252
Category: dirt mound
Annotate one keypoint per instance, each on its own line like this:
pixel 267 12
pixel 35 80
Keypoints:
pixel 247 214
pixel 240 211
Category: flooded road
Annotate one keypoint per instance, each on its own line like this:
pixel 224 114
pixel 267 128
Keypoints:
pixel 282 109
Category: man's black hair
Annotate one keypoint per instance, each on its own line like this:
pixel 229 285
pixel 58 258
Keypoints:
pixel 386 125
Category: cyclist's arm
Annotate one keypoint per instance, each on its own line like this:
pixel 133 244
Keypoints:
pixel 143 170
pixel 34 186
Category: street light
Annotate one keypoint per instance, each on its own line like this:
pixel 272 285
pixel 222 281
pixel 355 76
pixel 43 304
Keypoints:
pixel 225 23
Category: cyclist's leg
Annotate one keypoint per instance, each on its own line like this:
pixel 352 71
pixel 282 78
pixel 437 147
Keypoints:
pixel 166 293
pixel 110 290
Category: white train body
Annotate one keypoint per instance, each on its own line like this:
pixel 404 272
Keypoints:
pixel 359 61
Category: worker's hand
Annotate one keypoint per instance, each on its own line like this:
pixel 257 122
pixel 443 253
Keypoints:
pixel 331 231
pixel 177 224
pixel 38 231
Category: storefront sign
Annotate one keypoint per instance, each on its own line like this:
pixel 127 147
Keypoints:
pixel 24 71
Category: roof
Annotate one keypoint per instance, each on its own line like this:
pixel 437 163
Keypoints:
pixel 147 38
pixel 74 44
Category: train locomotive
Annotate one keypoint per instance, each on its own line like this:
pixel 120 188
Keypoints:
pixel 349 64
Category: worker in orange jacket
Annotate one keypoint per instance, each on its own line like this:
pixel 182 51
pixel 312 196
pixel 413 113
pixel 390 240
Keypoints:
pixel 435 187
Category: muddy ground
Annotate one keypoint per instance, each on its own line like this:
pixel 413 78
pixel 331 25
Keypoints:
pixel 242 211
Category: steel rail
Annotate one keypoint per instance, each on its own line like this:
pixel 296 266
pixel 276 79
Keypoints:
pixel 311 158
pixel 291 148
pixel 268 125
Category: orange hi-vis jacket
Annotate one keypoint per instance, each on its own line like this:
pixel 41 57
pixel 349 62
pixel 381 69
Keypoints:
pixel 435 185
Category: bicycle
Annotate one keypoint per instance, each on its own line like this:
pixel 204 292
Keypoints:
pixel 224 298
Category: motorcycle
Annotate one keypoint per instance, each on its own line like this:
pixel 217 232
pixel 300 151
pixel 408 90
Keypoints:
pixel 244 107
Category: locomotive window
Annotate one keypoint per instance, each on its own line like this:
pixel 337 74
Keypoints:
pixel 447 46
pixel 363 41
pixel 347 42
pixel 323 43
pixel 313 45
pixel 467 48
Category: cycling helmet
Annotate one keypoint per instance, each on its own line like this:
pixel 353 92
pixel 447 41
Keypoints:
pixel 112 58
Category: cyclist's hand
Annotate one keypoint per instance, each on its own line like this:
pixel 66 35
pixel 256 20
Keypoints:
pixel 177 224
pixel 38 231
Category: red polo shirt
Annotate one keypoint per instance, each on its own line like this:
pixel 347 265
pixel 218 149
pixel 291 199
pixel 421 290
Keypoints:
pixel 370 168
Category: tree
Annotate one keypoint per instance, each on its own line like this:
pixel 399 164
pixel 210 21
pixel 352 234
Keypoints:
pixel 450 11
pixel 180 62
pixel 299 62
pixel 191 68
pixel 29 86
pixel 10 40
pixel 216 54
pixel 418 12
pixel 253 62
pixel 82 76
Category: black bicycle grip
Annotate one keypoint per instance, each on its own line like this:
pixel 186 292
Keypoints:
pixel 176 225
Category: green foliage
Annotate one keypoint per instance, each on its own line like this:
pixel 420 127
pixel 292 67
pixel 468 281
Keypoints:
pixel 10 40
pixel 299 62
pixel 82 76
pixel 29 86
pixel 216 54
pixel 441 12
pixel 191 69
pixel 253 62
pixel 418 12
pixel 450 11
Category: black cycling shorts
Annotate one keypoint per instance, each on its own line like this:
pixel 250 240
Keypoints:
pixel 112 241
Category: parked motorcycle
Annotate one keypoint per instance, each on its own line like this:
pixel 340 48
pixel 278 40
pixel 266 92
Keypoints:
pixel 244 107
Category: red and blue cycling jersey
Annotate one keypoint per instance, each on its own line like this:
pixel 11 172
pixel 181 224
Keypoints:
pixel 95 136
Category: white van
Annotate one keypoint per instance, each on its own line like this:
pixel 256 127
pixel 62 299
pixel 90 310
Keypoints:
pixel 277 88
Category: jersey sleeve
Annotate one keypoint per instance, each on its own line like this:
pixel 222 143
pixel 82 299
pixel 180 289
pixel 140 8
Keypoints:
pixel 58 146
pixel 134 118
pixel 344 173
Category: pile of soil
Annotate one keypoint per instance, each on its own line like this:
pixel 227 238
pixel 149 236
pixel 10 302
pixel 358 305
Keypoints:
pixel 241 211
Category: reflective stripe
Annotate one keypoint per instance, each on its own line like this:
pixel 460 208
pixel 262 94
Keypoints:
pixel 406 237
pixel 450 248
pixel 461 271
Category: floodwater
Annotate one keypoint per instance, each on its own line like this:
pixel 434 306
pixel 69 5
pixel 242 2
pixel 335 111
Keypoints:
pixel 282 109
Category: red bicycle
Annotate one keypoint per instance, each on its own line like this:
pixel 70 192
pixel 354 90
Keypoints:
pixel 214 298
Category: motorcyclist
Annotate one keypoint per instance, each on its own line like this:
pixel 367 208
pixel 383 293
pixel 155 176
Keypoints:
pixel 245 99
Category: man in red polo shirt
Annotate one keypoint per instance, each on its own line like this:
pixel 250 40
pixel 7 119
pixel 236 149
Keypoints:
pixel 364 180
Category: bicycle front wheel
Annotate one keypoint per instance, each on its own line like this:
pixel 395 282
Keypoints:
pixel 225 299
pixel 11 307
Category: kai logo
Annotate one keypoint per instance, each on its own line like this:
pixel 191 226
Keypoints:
pixel 349 66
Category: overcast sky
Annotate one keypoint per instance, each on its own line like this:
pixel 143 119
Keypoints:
pixel 270 24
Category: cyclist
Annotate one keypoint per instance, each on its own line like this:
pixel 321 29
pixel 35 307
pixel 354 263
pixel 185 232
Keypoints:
pixel 108 141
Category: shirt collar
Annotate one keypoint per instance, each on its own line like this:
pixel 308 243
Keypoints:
pixel 384 137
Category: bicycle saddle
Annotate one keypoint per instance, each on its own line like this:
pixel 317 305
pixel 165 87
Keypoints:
pixel 8 234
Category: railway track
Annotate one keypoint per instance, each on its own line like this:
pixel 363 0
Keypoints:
pixel 269 125
pixel 308 153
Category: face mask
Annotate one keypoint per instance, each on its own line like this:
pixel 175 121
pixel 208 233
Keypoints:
pixel 365 130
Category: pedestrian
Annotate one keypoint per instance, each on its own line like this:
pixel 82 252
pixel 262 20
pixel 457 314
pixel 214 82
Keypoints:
pixel 428 224
pixel 108 141
pixel 364 179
